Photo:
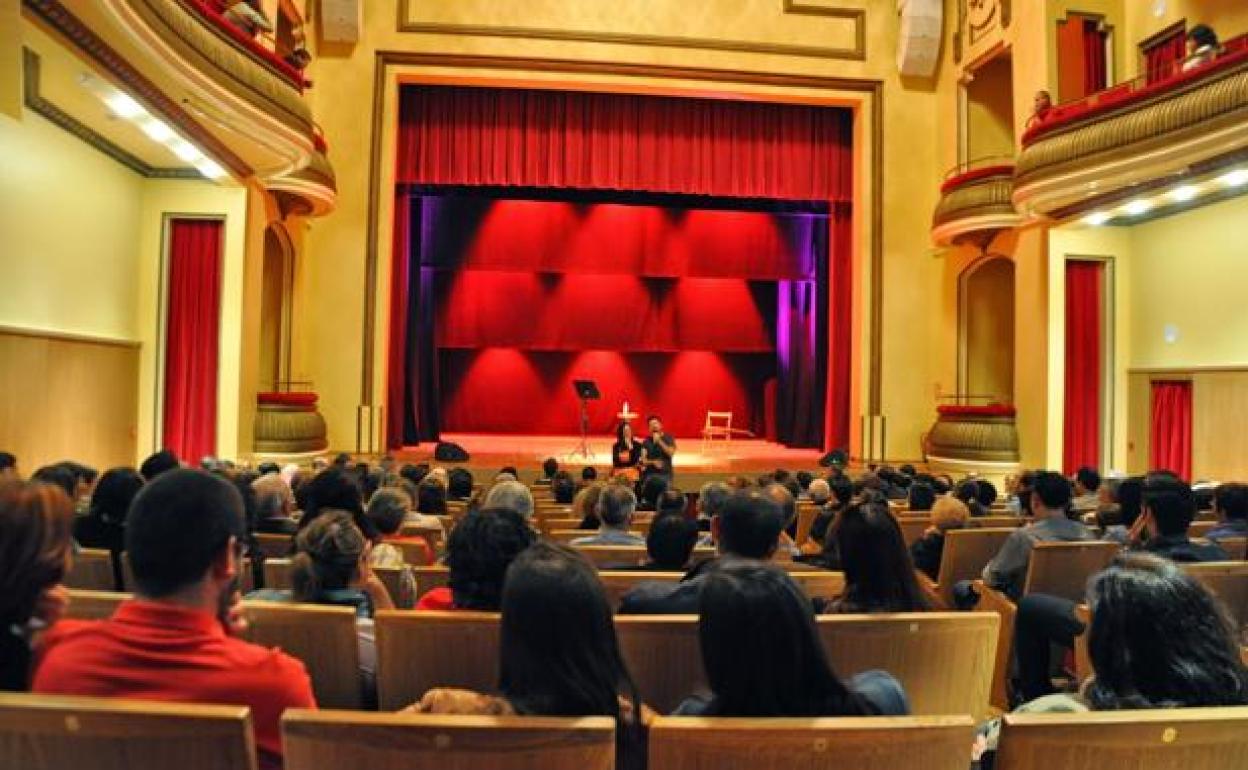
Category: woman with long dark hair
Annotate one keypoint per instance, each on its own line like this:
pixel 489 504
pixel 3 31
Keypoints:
pixel 626 453
pixel 558 652
pixel 104 526
pixel 763 656
pixel 879 572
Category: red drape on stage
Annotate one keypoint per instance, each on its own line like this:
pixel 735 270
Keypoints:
pixel 1082 424
pixel 1094 69
pixel 581 140
pixel 1170 442
pixel 463 136
pixel 192 327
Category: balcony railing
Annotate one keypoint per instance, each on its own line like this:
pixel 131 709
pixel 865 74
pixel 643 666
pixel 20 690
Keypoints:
pixel 211 12
pixel 975 201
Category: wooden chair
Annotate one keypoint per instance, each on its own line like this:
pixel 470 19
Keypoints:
pixel 277 574
pixel 417 651
pixel 1236 547
pixel 43 732
pixel 323 637
pixel 913 528
pixel 431 577
pixel 1200 528
pixel 93 605
pixel 432 535
pixel 548 525
pixel 984 522
pixel 1058 569
pixel 414 554
pixel 605 556
pixel 392 577
pixel 853 743
pixel 820 584
pixel 566 536
pixel 92 571
pixel 718 427
pixel 1160 739
pixel 274 546
pixel 965 554
pixel 346 740
pixel 806 515
pixel 1227 580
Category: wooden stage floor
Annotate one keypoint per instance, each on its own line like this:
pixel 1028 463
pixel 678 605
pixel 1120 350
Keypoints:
pixel 489 452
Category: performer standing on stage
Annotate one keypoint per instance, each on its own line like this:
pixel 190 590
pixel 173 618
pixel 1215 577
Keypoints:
pixel 626 453
pixel 659 447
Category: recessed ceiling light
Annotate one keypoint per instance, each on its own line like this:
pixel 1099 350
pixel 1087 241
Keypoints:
pixel 1184 193
pixel 1234 178
pixel 186 151
pixel 1097 218
pixel 123 106
pixel 157 130
pixel 210 168
pixel 1137 207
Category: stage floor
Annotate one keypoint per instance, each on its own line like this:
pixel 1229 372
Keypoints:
pixel 489 452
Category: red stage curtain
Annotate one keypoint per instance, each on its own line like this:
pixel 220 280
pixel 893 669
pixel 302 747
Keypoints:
pixel 1094 70
pixel 400 283
pixel 591 141
pixel 1170 447
pixel 1163 58
pixel 840 325
pixel 1082 428
pixel 192 327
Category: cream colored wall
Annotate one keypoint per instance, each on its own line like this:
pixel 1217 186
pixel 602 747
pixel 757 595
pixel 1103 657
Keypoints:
pixel 990 111
pixel 988 326
pixel 68 259
pixel 330 292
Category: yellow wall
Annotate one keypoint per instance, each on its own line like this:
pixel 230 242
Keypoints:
pixel 990 111
pixel 988 326
pixel 329 300
pixel 1228 18
pixel 68 256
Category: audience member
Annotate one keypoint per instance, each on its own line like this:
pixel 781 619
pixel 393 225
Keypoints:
pixel 782 497
pixel 763 657
pixel 158 463
pixel 176 639
pixel 711 500
pixel 333 489
pixel 1202 47
pixel 1168 510
pixel 459 483
pixel 478 552
pixel 511 494
pixel 414 473
pixel 1117 521
pixel 388 510
pixel 1049 501
pixel 589 474
pixel 58 476
pixel 968 492
pixel 818 492
pixel 652 488
pixel 672 503
pixel 879 574
pixel 558 653
pixel 1087 483
pixel 948 513
pixel 563 488
pixel 615 510
pixel 104 526
pixel 36 521
pixel 987 494
pixel 1230 505
pixel 8 467
pixel 670 542
pixel 585 506
pixel 842 493
pixel 275 504
pixel 431 497
pixel 921 497
pixel 550 466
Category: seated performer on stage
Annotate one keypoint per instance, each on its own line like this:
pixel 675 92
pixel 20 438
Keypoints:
pixel 659 448
pixel 626 453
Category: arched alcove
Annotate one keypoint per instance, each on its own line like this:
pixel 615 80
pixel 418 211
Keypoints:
pixel 986 329
pixel 275 308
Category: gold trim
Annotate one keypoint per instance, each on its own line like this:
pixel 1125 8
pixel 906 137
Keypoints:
pixel 987 193
pixel 872 88
pixel 90 339
pixel 857 53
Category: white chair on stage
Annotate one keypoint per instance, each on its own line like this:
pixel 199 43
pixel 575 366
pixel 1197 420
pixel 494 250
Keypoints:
pixel 718 427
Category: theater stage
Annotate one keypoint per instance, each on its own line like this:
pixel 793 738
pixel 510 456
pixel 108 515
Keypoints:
pixel 489 452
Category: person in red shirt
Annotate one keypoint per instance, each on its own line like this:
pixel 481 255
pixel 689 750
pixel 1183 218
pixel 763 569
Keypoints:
pixel 177 639
pixel 478 553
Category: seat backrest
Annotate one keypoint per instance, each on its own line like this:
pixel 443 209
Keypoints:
pixel 314 740
pixel 432 535
pixel 806 515
pixel 857 743
pixel 548 525
pixel 913 528
pixel 965 554
pixel 1200 528
pixel 817 584
pixel 92 570
pixel 980 522
pixel 566 536
pixel 392 578
pixel 323 637
pixel 417 651
pixel 1063 569
pixel 277 574
pixel 1160 739
pixel 431 577
pixel 631 555
pixel 93 605
pixel 1235 547
pixel 720 420
pixel 44 732
pixel 274 546
pixel 1228 580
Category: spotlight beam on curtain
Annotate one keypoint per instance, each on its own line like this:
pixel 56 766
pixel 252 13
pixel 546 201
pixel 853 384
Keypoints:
pixel 192 328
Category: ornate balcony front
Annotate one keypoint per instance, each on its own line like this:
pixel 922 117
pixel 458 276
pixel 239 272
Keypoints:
pixel 975 203
pixel 1136 136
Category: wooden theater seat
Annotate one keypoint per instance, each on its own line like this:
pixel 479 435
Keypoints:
pixel 606 556
pixel 1227 580
pixel 566 536
pixel 852 743
pixel 93 605
pixel 1161 739
pixel 912 528
pixel 431 577
pixel 323 637
pixel 1236 547
pixel 43 732
pixel 352 740
pixel 820 584
pixel 92 571
pixel 1057 569
pixel 417 651
pixel 434 536
pixel 274 546
pixel 965 554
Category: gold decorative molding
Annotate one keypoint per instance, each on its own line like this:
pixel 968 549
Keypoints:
pixel 89 339
pixel 37 103
pixel 976 439
pixel 978 208
pixel 857 53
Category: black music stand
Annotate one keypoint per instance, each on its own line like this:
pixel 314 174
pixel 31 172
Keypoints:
pixel 586 391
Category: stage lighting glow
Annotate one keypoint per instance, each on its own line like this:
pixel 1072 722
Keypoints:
pixel 1137 207
pixel 1097 218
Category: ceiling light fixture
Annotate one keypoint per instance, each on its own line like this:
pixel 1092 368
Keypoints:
pixel 158 130
pixel 1184 193
pixel 1137 207
pixel 210 168
pixel 1234 178
pixel 186 151
pixel 1097 218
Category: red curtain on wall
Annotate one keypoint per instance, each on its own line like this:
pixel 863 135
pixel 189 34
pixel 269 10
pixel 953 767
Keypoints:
pixel 1170 442
pixel 1094 67
pixel 1082 423
pixel 1162 59
pixel 192 328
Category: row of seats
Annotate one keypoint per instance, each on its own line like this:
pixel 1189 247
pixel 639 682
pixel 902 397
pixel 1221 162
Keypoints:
pixel 54 733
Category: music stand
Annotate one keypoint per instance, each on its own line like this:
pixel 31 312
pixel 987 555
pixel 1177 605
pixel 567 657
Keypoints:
pixel 586 391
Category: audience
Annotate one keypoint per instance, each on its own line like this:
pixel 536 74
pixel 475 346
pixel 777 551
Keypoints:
pixel 921 497
pixel 275 504
pixel 1168 510
pixel 1202 47
pixel 879 574
pixel 36 521
pixel 478 553
pixel 1087 483
pixel 763 657
pixel 948 513
pixel 511 494
pixel 459 484
pixel 585 506
pixel 558 653
pixel 388 511
pixel 1230 506
pixel 711 500
pixel 550 467
pixel 1117 521
pixel 104 526
pixel 563 488
pixel 670 542
pixel 58 476
pixel 177 639
pixel 8 467
pixel 333 489
pixel 158 463
pixel 1049 502
pixel 842 493
pixel 968 492
pixel 615 510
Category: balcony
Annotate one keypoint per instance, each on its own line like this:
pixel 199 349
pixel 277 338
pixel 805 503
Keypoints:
pixel 223 90
pixel 975 203
pixel 1136 137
